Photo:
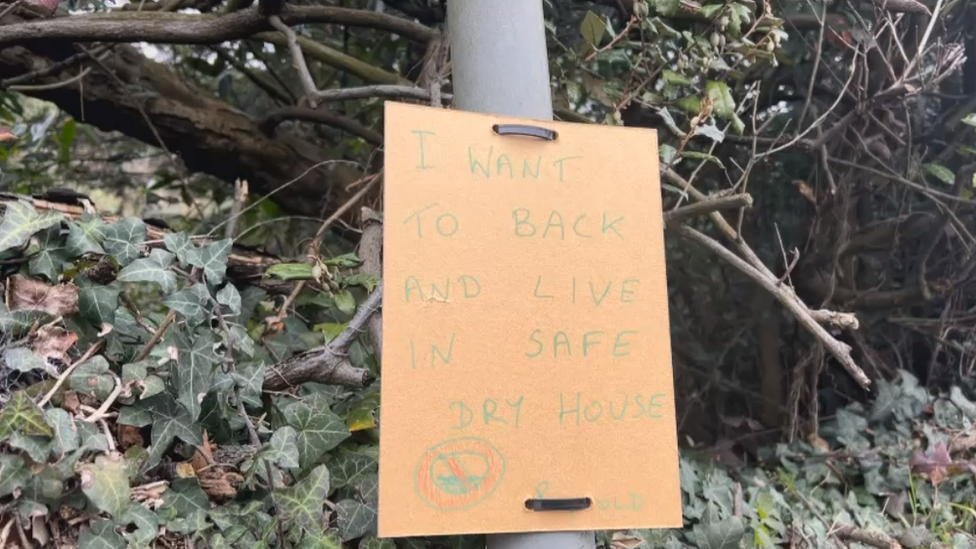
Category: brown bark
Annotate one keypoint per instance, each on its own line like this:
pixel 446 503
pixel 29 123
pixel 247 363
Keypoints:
pixel 182 28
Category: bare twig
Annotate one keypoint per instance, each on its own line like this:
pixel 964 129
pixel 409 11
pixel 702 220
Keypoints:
pixel 786 296
pixel 240 196
pixel 67 372
pixel 158 335
pixel 99 414
pixel 723 203
pixel 847 532
pixel 313 248
pixel 252 431
pixel 308 83
pixel 925 40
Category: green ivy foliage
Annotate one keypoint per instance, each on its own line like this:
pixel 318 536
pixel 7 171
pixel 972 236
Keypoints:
pixel 900 466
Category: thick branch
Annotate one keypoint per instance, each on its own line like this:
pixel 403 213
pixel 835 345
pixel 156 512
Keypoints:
pixel 180 28
pixel 328 363
pixel 378 91
pixel 208 134
pixel 371 252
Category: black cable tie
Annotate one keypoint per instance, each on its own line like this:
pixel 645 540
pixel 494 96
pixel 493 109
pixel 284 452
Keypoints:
pixel 564 504
pixel 526 130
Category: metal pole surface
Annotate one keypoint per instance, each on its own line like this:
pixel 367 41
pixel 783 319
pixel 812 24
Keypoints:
pixel 500 65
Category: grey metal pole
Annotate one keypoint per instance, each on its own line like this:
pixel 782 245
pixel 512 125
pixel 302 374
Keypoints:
pixel 500 65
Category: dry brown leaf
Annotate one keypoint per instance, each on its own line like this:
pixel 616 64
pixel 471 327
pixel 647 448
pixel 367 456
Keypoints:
pixel 53 342
pixel 625 541
pixel 806 191
pixel 818 442
pixel 27 294
pixel 130 436
pixel 70 402
pixel 220 486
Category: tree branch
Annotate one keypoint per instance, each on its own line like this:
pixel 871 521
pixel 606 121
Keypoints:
pixel 328 363
pixel 180 28
pixel 272 121
pixel 378 91
pixel 371 252
pixel 335 58
pixel 723 203
pixel 785 295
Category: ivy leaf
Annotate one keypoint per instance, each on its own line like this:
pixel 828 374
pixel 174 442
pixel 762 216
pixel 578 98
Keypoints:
pixel 14 474
pixel 283 448
pixel 360 416
pixel 941 173
pixel 241 340
pixel 291 271
pixel 711 131
pixel 195 370
pixel 66 438
pixel 106 483
pixel 345 302
pixel 349 467
pixel 21 221
pixel 724 534
pixel 50 256
pixel 151 269
pixel 22 415
pixel 327 540
pixel 123 240
pixel 365 280
pixel 185 497
pixel 302 503
pixel 212 259
pixel 250 379
pixel 85 236
pixel 99 303
pixel 666 7
pixel 190 303
pixel 170 420
pixel 146 523
pixel 672 77
pixel 178 243
pixel 37 448
pixel 969 119
pixel 22 359
pixel 229 297
pixel 355 519
pixel 101 535
pixel 592 28
pixel 710 11
pixel 319 429
pixel 723 105
pixel 344 260
pixel 92 378
pixel 371 542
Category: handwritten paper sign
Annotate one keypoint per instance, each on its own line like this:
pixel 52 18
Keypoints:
pixel 526 349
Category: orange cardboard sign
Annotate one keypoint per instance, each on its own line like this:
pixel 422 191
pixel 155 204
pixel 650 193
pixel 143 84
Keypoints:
pixel 526 345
